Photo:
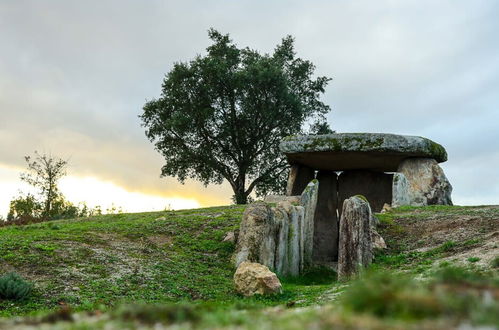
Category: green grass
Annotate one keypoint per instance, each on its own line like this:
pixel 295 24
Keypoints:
pixel 377 300
pixel 174 268
pixel 109 260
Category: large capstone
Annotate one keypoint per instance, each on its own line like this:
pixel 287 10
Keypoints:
pixel 356 151
pixel 427 183
pixel 355 244
pixel 326 219
pixel 279 237
pixel 375 186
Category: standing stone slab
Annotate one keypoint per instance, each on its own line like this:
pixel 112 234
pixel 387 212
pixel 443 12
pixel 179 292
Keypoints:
pixel 355 244
pixel 279 237
pixel 257 235
pixel 309 202
pixel 326 219
pixel 400 190
pixel 375 186
pixel 427 183
pixel 299 177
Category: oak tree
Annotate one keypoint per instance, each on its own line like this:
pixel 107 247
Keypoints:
pixel 222 115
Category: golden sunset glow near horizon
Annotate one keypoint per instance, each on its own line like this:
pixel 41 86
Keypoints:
pixel 74 78
pixel 96 192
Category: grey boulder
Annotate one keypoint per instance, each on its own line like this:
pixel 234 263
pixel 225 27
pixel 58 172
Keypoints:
pixel 426 182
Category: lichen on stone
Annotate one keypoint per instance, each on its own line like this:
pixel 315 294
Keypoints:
pixel 364 142
pixel 362 197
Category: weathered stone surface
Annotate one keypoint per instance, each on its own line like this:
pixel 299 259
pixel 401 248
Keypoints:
pixel 230 237
pixel 352 151
pixel 377 240
pixel 375 186
pixel 427 183
pixel 355 243
pixel 326 219
pixel 299 177
pixel 279 237
pixel 281 198
pixel 309 203
pixel 254 278
pixel 386 208
pixel 400 190
pixel 289 250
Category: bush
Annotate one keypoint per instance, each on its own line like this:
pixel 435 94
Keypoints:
pixel 14 287
pixel 385 294
pixel 458 275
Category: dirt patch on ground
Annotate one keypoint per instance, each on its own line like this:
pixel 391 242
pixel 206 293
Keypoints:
pixel 161 240
pixel 473 232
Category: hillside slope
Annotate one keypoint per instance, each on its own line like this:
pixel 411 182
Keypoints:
pixel 152 257
pixel 105 262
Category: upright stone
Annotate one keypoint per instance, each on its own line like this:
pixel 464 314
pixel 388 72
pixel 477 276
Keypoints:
pixel 400 190
pixel 257 237
pixel 427 183
pixel 279 237
pixel 299 177
pixel 355 243
pixel 309 203
pixel 375 186
pixel 326 219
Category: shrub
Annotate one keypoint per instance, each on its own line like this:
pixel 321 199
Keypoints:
pixel 14 287
pixel 458 275
pixel 154 313
pixel 386 294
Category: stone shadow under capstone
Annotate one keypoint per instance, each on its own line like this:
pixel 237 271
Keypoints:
pixel 334 189
pixel 326 219
pixel 376 187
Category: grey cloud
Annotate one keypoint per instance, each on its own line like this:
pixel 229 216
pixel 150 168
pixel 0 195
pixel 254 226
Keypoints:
pixel 74 75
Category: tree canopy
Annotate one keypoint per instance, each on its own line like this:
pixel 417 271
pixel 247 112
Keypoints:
pixel 222 115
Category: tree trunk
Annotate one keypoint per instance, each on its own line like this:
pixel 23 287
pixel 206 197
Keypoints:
pixel 47 203
pixel 241 198
pixel 240 194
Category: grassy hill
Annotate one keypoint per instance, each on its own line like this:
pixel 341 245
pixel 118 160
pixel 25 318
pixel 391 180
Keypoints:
pixel 130 270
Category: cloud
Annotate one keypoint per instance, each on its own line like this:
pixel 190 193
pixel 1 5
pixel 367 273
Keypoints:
pixel 74 76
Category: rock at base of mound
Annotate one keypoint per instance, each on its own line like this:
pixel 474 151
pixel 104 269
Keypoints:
pixel 355 244
pixel 378 241
pixel 427 183
pixel 253 278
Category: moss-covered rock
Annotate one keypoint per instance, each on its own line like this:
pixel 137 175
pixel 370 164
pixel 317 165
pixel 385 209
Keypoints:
pixel 351 150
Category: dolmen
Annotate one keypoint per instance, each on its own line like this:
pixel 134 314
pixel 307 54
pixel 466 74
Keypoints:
pixel 327 171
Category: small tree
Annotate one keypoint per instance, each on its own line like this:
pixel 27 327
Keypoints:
pixel 24 206
pixel 44 172
pixel 222 116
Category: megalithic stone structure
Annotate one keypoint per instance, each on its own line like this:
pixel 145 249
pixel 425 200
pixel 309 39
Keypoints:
pixel 385 168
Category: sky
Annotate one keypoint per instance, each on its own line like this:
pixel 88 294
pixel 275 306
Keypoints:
pixel 74 76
